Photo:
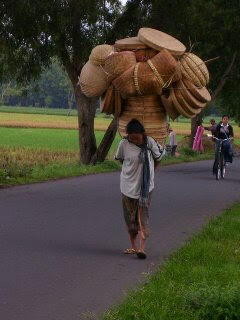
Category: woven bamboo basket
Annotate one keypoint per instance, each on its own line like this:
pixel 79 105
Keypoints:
pixel 200 94
pixel 145 78
pixel 138 80
pixel 194 69
pixel 146 81
pixel 132 43
pixel 143 55
pixel 100 53
pixel 182 91
pixel 159 40
pixel 93 80
pixel 171 111
pixel 181 108
pixel 124 84
pixel 189 108
pixel 166 66
pixel 107 101
pixel 149 111
pixel 119 62
pixel 198 66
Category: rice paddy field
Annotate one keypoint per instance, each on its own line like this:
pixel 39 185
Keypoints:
pixel 24 117
pixel 40 144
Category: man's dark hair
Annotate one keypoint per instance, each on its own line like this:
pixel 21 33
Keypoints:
pixel 225 115
pixel 212 121
pixel 135 126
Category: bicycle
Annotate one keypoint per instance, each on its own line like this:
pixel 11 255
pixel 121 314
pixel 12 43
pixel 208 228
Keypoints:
pixel 219 166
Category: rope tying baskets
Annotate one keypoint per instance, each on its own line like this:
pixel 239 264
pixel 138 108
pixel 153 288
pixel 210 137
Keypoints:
pixel 166 65
pixel 157 75
pixel 136 79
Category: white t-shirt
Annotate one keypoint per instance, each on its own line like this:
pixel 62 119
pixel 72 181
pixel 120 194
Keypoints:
pixel 131 175
pixel 173 139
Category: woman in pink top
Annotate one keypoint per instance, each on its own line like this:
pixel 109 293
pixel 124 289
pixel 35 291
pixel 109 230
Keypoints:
pixel 197 143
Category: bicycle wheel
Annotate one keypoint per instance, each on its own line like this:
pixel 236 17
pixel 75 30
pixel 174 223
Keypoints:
pixel 223 167
pixel 218 171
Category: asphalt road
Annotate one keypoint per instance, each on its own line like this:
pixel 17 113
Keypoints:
pixel 61 242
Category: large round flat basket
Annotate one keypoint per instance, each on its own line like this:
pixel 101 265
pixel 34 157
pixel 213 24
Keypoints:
pixel 159 40
pixel 132 43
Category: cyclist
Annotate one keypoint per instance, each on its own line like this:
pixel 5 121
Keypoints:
pixel 224 131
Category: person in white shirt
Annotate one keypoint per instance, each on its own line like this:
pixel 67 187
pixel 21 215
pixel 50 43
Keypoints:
pixel 139 155
pixel 173 141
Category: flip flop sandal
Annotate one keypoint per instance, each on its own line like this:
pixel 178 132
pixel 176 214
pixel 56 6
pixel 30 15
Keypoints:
pixel 141 255
pixel 130 251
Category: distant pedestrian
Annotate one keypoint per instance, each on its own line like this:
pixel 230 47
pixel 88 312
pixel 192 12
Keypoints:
pixel 198 143
pixel 173 141
pixel 139 155
pixel 212 127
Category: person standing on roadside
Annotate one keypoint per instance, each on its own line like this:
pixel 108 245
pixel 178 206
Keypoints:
pixel 212 127
pixel 197 143
pixel 139 155
pixel 173 141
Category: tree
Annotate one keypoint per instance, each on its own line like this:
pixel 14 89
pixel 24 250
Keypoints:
pixel 33 32
pixel 212 27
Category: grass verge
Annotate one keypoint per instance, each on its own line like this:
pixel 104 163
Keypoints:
pixel 25 165
pixel 31 155
pixel 199 282
pixel 22 165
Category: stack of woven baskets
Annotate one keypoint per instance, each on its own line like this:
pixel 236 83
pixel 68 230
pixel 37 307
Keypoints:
pixel 146 77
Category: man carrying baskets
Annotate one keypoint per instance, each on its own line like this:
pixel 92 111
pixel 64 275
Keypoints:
pixel 139 155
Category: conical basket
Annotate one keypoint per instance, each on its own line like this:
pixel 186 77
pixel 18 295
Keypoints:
pixel 93 80
pixel 100 53
pixel 119 62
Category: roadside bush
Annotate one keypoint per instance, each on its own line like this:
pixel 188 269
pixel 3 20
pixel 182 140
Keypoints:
pixel 188 152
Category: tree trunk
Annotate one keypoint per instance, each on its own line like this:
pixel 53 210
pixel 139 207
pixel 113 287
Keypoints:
pixel 106 142
pixel 86 114
pixel 70 102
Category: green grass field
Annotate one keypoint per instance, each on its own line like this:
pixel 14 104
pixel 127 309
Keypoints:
pixel 34 154
pixel 34 110
pixel 54 139
pixel 51 139
pixel 199 282
pixel 21 117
